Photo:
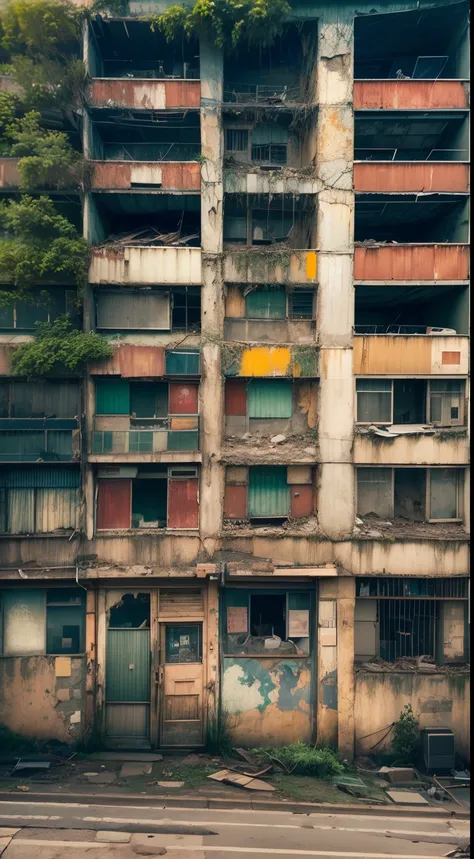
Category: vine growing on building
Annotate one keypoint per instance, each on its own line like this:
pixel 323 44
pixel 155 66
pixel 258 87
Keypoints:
pixel 225 22
pixel 57 345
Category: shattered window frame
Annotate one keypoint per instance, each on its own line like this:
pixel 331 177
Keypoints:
pixel 300 602
pixel 46 618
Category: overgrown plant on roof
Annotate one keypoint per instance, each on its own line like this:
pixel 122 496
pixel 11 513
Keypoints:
pixel 57 345
pixel 226 22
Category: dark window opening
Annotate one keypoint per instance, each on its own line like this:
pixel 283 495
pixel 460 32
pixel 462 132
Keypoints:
pixel 449 588
pixel 131 612
pixel 236 140
pixel 411 219
pixel 45 305
pixel 411 309
pixel 407 628
pixel 410 493
pixel 184 643
pixel 149 503
pixel 186 314
pixel 269 153
pixel 301 304
pixel 409 401
pixel 268 615
pixel 149 220
pixel 136 51
pixel 160 136
pixel 404 137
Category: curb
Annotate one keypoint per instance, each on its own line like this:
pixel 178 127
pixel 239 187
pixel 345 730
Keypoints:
pixel 246 805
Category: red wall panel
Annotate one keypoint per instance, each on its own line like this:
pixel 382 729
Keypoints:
pixel 183 399
pixel 114 503
pixel 302 502
pixel 183 503
pixel 235 397
pixel 235 502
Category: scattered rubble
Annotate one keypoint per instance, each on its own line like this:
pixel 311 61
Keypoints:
pixel 400 528
pixel 419 664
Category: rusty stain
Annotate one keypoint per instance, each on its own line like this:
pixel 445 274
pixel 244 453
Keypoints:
pixel 409 95
pixel 144 94
pixel 169 176
pixel 9 173
pixel 132 362
pixel 398 355
pixel 412 262
pixel 415 176
pixel 235 502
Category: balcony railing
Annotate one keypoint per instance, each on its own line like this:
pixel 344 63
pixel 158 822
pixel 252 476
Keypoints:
pixel 39 444
pixel 176 432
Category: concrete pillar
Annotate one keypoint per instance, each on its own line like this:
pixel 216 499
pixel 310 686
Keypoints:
pixel 335 232
pixel 91 652
pixel 345 666
pixel 212 295
pixel 212 661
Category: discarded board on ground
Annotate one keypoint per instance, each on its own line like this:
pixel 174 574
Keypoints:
pixel 240 780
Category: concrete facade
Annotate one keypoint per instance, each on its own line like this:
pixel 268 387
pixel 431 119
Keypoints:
pixel 252 552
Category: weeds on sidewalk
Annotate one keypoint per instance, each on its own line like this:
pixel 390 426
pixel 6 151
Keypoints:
pixel 301 759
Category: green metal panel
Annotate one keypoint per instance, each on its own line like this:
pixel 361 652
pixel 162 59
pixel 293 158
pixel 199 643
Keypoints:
pixel 269 493
pixel 299 600
pixel 266 304
pixel 112 397
pixel 128 665
pixel 183 363
pixel 140 442
pixel 270 399
pixel 45 477
pixel 183 440
pixel 148 401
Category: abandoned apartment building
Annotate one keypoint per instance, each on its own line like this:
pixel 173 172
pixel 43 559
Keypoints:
pixel 259 504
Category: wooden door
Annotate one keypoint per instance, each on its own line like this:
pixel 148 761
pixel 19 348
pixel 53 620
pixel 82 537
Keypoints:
pixel 181 685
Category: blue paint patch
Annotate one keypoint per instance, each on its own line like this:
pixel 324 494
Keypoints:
pixel 289 694
pixel 329 690
pixel 253 671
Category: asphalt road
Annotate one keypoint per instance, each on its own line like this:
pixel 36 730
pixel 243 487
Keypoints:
pixel 94 831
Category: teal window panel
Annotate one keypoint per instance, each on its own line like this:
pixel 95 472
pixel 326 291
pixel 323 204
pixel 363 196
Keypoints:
pixel 149 400
pixel 140 442
pixel 299 600
pixel 183 363
pixel 112 397
pixel 268 492
pixel 183 440
pixel 270 399
pixel 6 317
pixel 266 304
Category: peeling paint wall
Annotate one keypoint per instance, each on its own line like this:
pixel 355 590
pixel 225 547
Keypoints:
pixel 406 355
pixel 406 450
pixel 140 265
pixel 439 699
pixel 43 696
pixel 269 700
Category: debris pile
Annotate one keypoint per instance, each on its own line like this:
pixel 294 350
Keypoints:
pixel 420 664
pixel 148 236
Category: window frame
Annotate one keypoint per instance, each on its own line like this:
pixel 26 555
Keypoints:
pixel 375 379
pixel 460 478
pixel 83 605
pixel 460 422
pixel 275 591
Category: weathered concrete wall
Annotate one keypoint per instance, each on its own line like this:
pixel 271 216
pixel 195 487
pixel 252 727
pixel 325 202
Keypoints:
pixel 268 699
pixel 43 696
pixel 406 355
pixel 406 450
pixel 437 699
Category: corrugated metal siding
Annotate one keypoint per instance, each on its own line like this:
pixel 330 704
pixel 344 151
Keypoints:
pixel 183 507
pixel 39 399
pixel 46 477
pixel 122 92
pixel 127 721
pixel 418 176
pixel 114 503
pixel 112 397
pixel 270 399
pixel 183 399
pixel 126 648
pixel 183 93
pixel 269 493
pixel 175 602
pixel 412 262
pixel 133 310
pixel 168 175
pixel 392 355
pixel 235 397
pixel 235 502
pixel 409 95
pixel 302 502
pixel 57 509
pixel 140 265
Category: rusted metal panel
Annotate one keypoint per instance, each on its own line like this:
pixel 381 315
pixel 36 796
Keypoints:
pixel 301 501
pixel 141 265
pixel 235 397
pixel 397 355
pixel 183 399
pixel 183 93
pixel 168 176
pixel 144 94
pixel 450 357
pixel 235 502
pixel 412 262
pixel 9 173
pixel 409 95
pixel 298 266
pixel 114 503
pixel 132 362
pixel 414 176
pixel 183 509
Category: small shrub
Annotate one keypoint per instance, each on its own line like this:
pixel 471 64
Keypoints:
pixel 58 345
pixel 219 733
pixel 406 738
pixel 301 759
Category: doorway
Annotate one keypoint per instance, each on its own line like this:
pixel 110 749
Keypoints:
pixel 181 685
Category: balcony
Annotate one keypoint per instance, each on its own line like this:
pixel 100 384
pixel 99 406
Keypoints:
pixel 410 95
pixel 410 354
pixel 161 440
pixel 133 175
pixel 423 177
pixel 428 447
pixel 145 265
pixel 144 94
pixel 270 265
pixel 412 262
pixel 33 440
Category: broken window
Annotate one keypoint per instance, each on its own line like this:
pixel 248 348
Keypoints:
pixel 268 622
pixel 410 309
pixel 264 220
pixel 38 621
pixel 399 618
pixel 157 497
pixel 186 308
pixel 143 136
pixel 132 611
pixel 415 494
pixel 237 140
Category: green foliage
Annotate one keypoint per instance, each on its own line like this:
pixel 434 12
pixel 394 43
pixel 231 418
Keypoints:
pixel 39 243
pixel 406 738
pixel 58 345
pixel 301 759
pixel 8 120
pixel 47 159
pixel 219 733
pixel 227 22
pixel 116 8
